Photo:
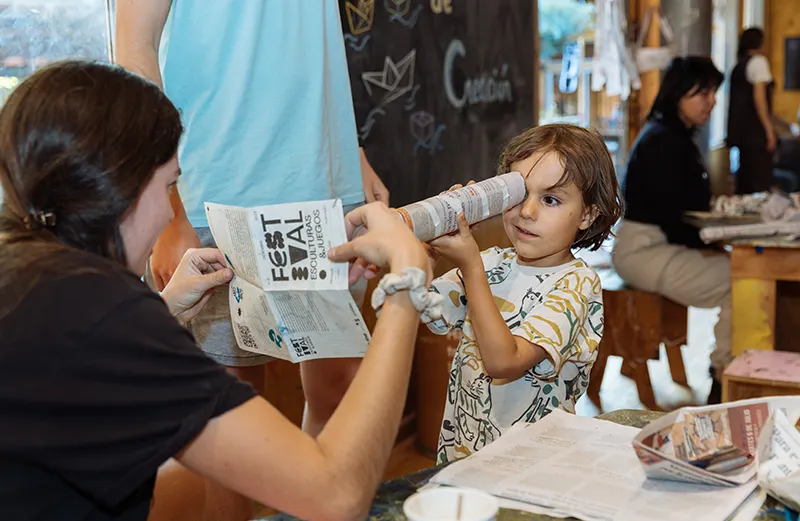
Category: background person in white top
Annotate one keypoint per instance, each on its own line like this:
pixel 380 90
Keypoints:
pixel 750 121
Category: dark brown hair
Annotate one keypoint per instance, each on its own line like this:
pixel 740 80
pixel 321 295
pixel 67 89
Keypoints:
pixel 690 75
pixel 78 143
pixel 751 40
pixel 587 163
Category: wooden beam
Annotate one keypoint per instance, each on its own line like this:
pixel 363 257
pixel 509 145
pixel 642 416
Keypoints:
pixel 639 103
pixel 770 264
pixel 536 46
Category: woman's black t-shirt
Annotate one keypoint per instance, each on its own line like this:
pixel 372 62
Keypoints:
pixel 99 385
pixel 665 179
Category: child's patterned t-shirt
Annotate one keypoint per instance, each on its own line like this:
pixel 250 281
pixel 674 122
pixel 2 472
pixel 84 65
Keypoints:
pixel 558 308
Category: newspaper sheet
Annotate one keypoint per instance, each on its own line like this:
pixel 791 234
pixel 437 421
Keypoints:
pixel 779 460
pixel 584 467
pixel 287 299
pixel 738 424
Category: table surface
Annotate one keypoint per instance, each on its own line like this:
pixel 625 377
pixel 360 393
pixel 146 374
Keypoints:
pixel 388 505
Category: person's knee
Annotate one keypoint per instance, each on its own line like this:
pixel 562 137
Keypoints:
pixel 182 494
pixel 326 381
pixel 254 375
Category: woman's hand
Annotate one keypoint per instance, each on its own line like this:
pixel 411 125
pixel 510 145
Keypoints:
pixel 772 140
pixel 383 240
pixel 199 272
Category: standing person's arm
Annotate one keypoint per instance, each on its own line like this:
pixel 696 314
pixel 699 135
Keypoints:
pixel 139 24
pixel 760 100
pixel 759 75
pixel 374 189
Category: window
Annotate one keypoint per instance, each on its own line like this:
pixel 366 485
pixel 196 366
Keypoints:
pixel 724 39
pixel 34 33
pixel 566 34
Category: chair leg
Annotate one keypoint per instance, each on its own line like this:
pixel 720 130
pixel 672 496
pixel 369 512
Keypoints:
pixel 627 369
pixel 596 379
pixel 644 386
pixel 676 367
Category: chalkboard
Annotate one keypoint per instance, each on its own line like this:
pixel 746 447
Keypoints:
pixel 439 86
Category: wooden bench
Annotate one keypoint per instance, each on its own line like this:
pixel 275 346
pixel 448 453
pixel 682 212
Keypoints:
pixel 636 323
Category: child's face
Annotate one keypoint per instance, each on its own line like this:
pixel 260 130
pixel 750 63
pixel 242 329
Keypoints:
pixel 543 227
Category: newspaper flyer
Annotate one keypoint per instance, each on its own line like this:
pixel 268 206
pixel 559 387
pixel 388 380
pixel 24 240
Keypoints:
pixel 287 299
pixel 712 445
pixel 584 467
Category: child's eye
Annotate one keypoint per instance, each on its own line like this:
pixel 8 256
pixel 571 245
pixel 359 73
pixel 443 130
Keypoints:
pixel 549 200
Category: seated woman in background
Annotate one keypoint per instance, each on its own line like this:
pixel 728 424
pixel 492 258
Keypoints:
pixel 100 386
pixel 655 250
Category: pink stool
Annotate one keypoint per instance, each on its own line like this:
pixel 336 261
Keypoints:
pixel 757 374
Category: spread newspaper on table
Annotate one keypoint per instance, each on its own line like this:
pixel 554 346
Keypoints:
pixel 287 299
pixel 586 468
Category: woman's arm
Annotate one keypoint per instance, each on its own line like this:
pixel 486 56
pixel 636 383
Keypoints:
pixel 256 451
pixel 760 100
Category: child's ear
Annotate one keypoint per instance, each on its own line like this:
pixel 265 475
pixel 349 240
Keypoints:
pixel 590 213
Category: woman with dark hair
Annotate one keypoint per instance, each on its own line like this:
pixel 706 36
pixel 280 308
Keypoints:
pixel 750 126
pixel 655 250
pixel 100 385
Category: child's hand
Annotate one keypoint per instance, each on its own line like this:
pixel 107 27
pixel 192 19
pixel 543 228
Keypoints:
pixel 458 247
pixel 433 255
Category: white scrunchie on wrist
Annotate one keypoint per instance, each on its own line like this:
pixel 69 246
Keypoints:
pixel 414 281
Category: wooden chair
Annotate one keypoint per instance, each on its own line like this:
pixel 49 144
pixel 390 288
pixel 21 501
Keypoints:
pixel 636 323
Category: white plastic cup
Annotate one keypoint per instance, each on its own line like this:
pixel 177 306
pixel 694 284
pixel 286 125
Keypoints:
pixel 442 504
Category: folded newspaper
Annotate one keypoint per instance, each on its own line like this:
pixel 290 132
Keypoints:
pixel 714 445
pixel 778 460
pixel 287 299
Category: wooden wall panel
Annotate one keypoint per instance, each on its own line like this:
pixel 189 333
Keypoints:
pixel 783 20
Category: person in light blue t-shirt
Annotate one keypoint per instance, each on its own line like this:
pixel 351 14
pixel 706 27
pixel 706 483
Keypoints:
pixel 264 93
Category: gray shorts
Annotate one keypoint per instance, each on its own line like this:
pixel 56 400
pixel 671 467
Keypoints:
pixel 212 327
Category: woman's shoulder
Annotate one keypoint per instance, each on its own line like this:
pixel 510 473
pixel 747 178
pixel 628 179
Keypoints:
pixel 78 286
pixel 656 132
pixel 79 267
pixel 757 69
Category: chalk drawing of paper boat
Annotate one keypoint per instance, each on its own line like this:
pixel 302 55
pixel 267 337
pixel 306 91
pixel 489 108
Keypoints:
pixel 360 17
pixel 397 7
pixel 395 80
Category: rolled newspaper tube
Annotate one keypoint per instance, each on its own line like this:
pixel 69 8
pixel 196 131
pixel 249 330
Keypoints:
pixel 436 216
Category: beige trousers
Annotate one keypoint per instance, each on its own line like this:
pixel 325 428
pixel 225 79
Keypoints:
pixel 645 260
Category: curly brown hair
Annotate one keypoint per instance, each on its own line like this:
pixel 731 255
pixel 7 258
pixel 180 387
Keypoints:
pixel 587 163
